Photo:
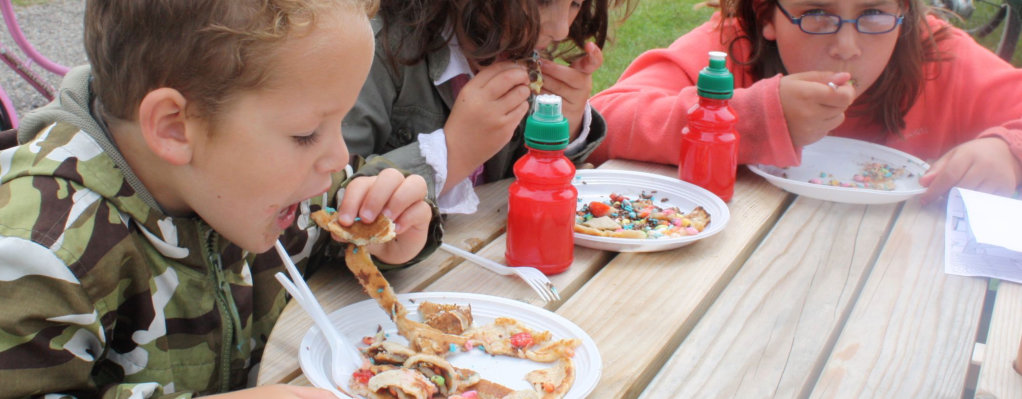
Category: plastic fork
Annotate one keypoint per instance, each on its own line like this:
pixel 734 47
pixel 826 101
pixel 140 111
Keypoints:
pixel 300 291
pixel 532 276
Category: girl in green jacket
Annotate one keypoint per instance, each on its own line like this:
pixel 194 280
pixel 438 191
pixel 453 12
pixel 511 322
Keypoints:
pixel 449 86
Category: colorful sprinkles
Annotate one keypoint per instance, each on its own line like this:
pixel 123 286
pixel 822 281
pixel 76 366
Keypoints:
pixel 874 175
pixel 640 214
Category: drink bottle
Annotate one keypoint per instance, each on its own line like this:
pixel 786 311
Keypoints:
pixel 541 201
pixel 709 142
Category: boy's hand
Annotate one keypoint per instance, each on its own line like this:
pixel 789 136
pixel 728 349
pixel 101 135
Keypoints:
pixel 984 164
pixel 484 118
pixel 400 198
pixel 812 108
pixel 573 83
pixel 278 391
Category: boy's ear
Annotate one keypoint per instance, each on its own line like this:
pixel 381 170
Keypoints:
pixel 161 117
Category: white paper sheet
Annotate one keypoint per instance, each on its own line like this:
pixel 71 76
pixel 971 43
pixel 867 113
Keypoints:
pixel 983 235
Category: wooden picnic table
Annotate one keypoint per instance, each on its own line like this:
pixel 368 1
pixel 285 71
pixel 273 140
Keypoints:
pixel 796 297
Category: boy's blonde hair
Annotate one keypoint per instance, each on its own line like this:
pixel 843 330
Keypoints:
pixel 209 50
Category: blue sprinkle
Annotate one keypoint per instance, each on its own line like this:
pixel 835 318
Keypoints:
pixel 379 290
pixel 330 210
pixel 357 218
pixel 454 348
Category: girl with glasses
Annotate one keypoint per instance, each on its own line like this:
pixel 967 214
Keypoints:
pixel 888 71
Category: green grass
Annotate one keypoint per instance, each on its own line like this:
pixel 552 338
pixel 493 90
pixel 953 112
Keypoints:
pixel 656 23
pixel 27 2
pixel 653 24
pixel 984 11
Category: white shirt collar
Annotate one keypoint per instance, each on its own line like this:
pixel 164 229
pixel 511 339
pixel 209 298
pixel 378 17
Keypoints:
pixel 456 66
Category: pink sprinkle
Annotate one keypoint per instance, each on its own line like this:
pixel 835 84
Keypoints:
pixel 691 230
pixel 815 181
pixel 469 345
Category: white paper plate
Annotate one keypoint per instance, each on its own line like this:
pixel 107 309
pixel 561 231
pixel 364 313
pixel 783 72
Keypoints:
pixel 843 158
pixel 598 184
pixel 361 319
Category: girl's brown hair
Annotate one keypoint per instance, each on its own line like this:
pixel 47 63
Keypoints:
pixel 209 50
pixel 490 28
pixel 891 95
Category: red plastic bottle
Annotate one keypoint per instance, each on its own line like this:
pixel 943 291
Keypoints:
pixel 709 143
pixel 541 203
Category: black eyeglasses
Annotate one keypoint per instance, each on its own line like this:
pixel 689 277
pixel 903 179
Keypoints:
pixel 825 24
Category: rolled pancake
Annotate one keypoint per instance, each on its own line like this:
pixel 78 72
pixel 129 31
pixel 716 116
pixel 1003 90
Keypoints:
pixel 400 384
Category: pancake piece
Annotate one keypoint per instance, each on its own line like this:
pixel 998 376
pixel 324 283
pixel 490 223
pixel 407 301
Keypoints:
pixel 449 318
pixel 379 231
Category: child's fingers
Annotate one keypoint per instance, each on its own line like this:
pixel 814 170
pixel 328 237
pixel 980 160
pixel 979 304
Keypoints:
pixel 927 178
pixel 500 77
pixel 410 191
pixel 365 196
pixel 556 78
pixel 415 216
pixel 839 79
pixel 591 61
pixel 518 112
pixel 379 194
pixel 823 77
pixel 511 100
pixel 351 199
pixel 941 181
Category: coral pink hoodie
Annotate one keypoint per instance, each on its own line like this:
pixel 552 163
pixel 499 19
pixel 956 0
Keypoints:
pixel 976 94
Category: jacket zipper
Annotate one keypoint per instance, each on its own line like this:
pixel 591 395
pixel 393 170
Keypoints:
pixel 230 321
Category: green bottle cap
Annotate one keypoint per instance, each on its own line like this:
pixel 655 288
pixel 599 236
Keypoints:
pixel 715 81
pixel 547 129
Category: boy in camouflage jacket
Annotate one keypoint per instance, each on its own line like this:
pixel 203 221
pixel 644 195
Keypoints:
pixel 137 211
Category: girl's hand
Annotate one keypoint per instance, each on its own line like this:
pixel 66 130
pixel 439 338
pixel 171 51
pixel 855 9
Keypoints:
pixel 400 198
pixel 277 391
pixel 573 83
pixel 812 108
pixel 984 164
pixel 484 118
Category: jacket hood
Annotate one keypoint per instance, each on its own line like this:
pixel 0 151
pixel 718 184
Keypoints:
pixel 53 144
pixel 74 106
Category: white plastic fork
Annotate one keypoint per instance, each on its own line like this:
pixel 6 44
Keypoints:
pixel 300 291
pixel 532 276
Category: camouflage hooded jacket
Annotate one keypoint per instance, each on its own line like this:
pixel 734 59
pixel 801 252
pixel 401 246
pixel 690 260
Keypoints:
pixel 104 295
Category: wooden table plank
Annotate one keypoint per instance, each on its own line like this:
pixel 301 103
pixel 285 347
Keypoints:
pixel 912 331
pixel 657 297
pixel 468 277
pixel 280 360
pixel 997 378
pixel 771 328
